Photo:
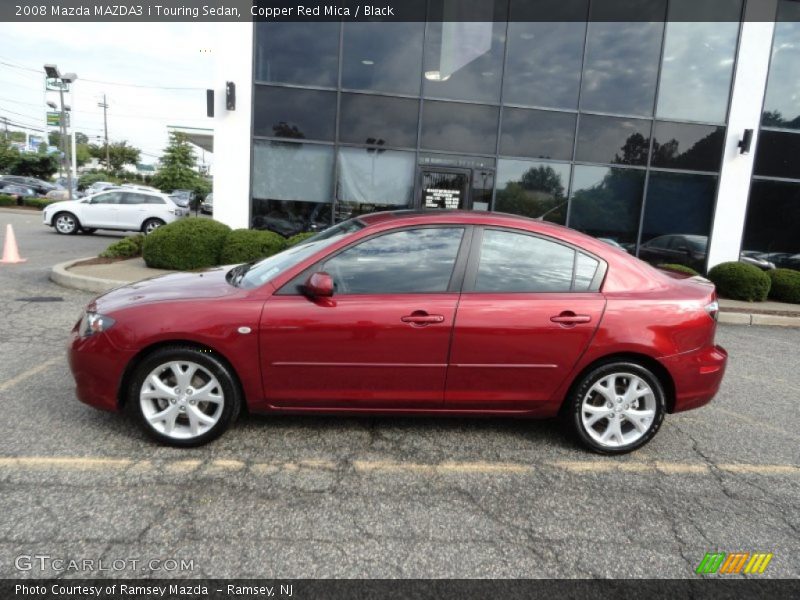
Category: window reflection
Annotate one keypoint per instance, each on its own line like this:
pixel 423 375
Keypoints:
pixel 543 62
pixel 698 60
pixel 537 133
pixel 686 146
pixel 772 227
pixel 464 59
pixel 606 203
pixel 295 114
pixel 291 186
pixel 622 58
pixel 302 53
pixel 384 57
pixel 677 219
pixel 514 262
pixel 613 140
pixel 371 179
pixel 379 120
pixel 533 189
pixel 459 127
pixel 782 103
pixel 778 154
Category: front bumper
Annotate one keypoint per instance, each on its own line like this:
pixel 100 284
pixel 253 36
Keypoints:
pixel 697 376
pixel 97 367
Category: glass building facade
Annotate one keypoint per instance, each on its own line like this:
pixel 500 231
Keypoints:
pixel 772 227
pixel 610 123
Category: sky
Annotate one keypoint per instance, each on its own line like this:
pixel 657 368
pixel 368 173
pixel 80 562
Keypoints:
pixel 151 55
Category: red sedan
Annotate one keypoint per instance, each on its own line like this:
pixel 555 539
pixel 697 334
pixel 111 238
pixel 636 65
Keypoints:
pixel 434 313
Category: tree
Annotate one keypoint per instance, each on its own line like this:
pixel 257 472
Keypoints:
pixel 178 164
pixel 8 155
pixel 120 154
pixel 42 166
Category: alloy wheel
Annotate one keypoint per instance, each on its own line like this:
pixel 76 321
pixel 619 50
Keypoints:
pixel 618 409
pixel 181 399
pixel 66 223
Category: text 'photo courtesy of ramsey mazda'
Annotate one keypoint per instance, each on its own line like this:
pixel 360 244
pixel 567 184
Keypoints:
pixel 425 313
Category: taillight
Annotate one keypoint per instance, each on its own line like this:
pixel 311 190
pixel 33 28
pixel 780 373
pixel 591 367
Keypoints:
pixel 712 308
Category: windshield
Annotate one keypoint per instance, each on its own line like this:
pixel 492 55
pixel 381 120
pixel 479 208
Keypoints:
pixel 251 275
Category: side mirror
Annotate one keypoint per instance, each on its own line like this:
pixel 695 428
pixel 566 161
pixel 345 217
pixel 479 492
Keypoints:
pixel 319 285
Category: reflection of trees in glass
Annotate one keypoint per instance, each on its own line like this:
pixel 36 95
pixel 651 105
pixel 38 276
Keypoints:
pixel 634 151
pixel 703 153
pixel 539 193
pixel 283 129
pixel 774 118
pixel 611 207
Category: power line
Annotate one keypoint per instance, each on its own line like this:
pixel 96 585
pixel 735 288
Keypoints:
pixel 135 85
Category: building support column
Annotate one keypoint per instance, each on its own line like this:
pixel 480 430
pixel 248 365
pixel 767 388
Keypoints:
pixel 747 98
pixel 233 61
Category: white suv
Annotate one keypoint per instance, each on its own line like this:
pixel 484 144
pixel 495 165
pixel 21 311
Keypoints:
pixel 115 209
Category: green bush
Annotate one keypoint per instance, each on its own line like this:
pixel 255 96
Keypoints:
pixel 39 203
pixel 189 243
pixel 299 237
pixel 128 247
pixel 245 245
pixel 740 281
pixel 785 285
pixel 6 200
pixel 679 268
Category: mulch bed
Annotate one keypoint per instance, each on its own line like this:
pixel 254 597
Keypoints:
pixel 98 261
pixel 759 311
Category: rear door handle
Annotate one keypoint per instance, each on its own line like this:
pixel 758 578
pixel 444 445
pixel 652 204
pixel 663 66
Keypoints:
pixel 420 317
pixel 568 318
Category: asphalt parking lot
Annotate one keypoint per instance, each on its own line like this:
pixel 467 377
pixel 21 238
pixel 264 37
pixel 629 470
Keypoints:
pixel 308 497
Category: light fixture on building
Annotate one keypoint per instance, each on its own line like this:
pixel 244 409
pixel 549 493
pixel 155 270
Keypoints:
pixel 369 63
pixel 435 76
pixel 746 142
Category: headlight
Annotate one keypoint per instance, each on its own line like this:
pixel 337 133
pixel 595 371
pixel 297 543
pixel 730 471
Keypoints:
pixel 92 323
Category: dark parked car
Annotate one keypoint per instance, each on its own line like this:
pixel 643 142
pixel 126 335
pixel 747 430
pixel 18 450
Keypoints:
pixel 436 313
pixel 689 250
pixel 183 198
pixel 39 186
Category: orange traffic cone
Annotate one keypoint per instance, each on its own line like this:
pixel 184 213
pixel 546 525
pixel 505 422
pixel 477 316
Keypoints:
pixel 10 250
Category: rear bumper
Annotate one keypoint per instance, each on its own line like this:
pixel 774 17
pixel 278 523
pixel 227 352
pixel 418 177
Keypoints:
pixel 697 376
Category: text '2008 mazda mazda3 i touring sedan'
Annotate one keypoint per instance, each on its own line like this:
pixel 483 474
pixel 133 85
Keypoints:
pixel 434 313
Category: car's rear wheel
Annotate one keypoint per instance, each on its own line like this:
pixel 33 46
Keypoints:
pixel 184 396
pixel 617 407
pixel 151 225
pixel 66 223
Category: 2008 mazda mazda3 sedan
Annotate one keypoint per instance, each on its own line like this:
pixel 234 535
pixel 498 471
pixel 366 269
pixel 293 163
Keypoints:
pixel 434 313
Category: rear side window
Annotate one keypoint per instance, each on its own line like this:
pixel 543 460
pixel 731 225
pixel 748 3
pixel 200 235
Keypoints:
pixel 148 199
pixel 516 262
pixel 411 261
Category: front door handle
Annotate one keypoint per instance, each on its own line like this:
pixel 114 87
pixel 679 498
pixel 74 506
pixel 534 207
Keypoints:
pixel 421 318
pixel 569 318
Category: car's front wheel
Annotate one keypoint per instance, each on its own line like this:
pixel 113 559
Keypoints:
pixel 184 396
pixel 151 225
pixel 66 223
pixel 617 407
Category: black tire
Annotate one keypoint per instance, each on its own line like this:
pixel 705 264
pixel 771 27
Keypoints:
pixel 227 382
pixel 150 225
pixel 575 412
pixel 66 223
pixel 88 230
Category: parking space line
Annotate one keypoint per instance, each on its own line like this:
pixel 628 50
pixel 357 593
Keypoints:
pixel 29 373
pixel 215 466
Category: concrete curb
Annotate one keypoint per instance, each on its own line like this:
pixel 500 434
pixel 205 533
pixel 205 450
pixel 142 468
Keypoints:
pixel 737 318
pixel 60 275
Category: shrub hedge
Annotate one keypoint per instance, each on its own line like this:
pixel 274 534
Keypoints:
pixel 679 268
pixel 785 285
pixel 189 243
pixel 740 281
pixel 39 203
pixel 245 245
pixel 6 200
pixel 299 237
pixel 128 247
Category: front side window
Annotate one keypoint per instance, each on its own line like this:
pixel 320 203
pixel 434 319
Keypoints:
pixel 110 198
pixel 516 262
pixel 411 261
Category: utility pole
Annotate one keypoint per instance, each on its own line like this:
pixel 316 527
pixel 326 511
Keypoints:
pixel 104 106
